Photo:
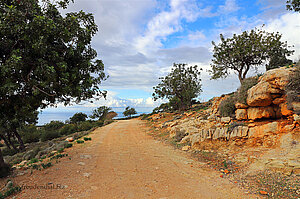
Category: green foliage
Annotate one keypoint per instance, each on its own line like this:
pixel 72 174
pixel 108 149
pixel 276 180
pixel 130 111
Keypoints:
pixel 87 139
pixel 100 112
pixel 45 58
pixel 11 190
pixel 53 126
pixel 78 117
pixel 245 51
pixel 10 152
pixel 69 145
pixel 241 94
pixel 47 165
pixel 85 126
pixel 129 111
pixel 68 129
pixel 293 5
pixel 30 133
pixel 180 86
pixel 227 106
pixel 79 141
pixel 49 135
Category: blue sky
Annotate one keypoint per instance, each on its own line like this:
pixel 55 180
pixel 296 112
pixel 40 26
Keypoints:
pixel 139 40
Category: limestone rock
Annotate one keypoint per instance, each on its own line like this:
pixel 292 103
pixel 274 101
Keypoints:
pixel 296 117
pixel 241 114
pixel 278 101
pixel 278 77
pixel 284 110
pixel 239 131
pixel 195 138
pixel 70 139
pixel 241 106
pixel 186 148
pixel 260 112
pixel 259 95
pixel 266 129
pixel 225 120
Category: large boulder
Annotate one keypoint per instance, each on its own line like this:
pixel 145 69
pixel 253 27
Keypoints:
pixel 270 86
pixel 260 112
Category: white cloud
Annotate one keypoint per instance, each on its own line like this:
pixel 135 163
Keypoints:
pixel 230 6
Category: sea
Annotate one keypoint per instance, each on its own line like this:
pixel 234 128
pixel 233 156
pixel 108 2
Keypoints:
pixel 46 117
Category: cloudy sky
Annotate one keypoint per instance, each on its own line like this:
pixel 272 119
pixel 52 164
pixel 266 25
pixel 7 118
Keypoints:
pixel 139 40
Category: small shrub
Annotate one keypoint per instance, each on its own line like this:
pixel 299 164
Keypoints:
pixel 33 160
pixel 227 106
pixel 79 141
pixel 9 152
pixel 293 88
pixel 47 165
pixel 87 139
pixel 241 94
pixel 54 125
pixel 60 150
pixel 69 145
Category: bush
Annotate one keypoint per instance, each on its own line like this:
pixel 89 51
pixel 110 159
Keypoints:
pixel 30 134
pixel 49 135
pixel 53 125
pixel 84 126
pixel 80 141
pixel 227 106
pixel 68 129
pixel 9 152
pixel 293 88
pixel 87 139
pixel 241 94
pixel 69 145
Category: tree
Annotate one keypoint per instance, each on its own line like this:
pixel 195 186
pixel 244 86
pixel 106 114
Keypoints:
pixel 180 86
pixel 129 111
pixel 78 117
pixel 245 51
pixel 100 112
pixel 293 5
pixel 45 58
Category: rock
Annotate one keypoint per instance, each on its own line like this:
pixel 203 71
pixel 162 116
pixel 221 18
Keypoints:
pixel 296 107
pixel 220 133
pixel 186 148
pixel 241 114
pixel 284 110
pixel 8 185
pixel 81 163
pixel 260 112
pixel 86 175
pixel 266 129
pixel 288 128
pixel 195 138
pixel 70 139
pixel 296 117
pixel 241 106
pixel 212 117
pixel 185 139
pixel 239 131
pixel 225 120
pixel 278 101
pixel 259 95
pixel 278 77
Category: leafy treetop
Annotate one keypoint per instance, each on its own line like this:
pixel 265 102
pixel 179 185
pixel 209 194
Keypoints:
pixel 129 111
pixel 247 50
pixel 78 117
pixel 293 5
pixel 100 112
pixel 180 86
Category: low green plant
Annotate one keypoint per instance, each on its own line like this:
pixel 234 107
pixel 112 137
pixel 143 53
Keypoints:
pixel 49 135
pixel 68 129
pixel 87 138
pixel 33 160
pixel 9 152
pixel 60 150
pixel 30 134
pixel 79 141
pixel 47 165
pixel 227 106
pixel 12 190
pixel 241 94
pixel 69 145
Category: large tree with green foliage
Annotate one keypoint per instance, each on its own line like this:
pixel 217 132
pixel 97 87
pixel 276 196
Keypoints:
pixel 293 5
pixel 180 86
pixel 248 50
pixel 129 112
pixel 45 58
pixel 78 117
pixel 100 112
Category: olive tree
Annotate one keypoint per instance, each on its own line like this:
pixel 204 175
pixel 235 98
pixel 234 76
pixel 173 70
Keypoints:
pixel 129 111
pixel 250 49
pixel 45 58
pixel 293 5
pixel 180 86
pixel 100 112
pixel 78 117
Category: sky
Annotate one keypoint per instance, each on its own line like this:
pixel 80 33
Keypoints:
pixel 139 40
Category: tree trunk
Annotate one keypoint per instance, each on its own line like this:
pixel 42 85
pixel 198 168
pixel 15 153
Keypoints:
pixel 22 146
pixel 4 168
pixel 2 163
pixel 5 140
pixel 10 142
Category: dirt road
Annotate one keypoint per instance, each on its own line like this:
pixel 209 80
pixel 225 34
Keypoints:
pixel 122 161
